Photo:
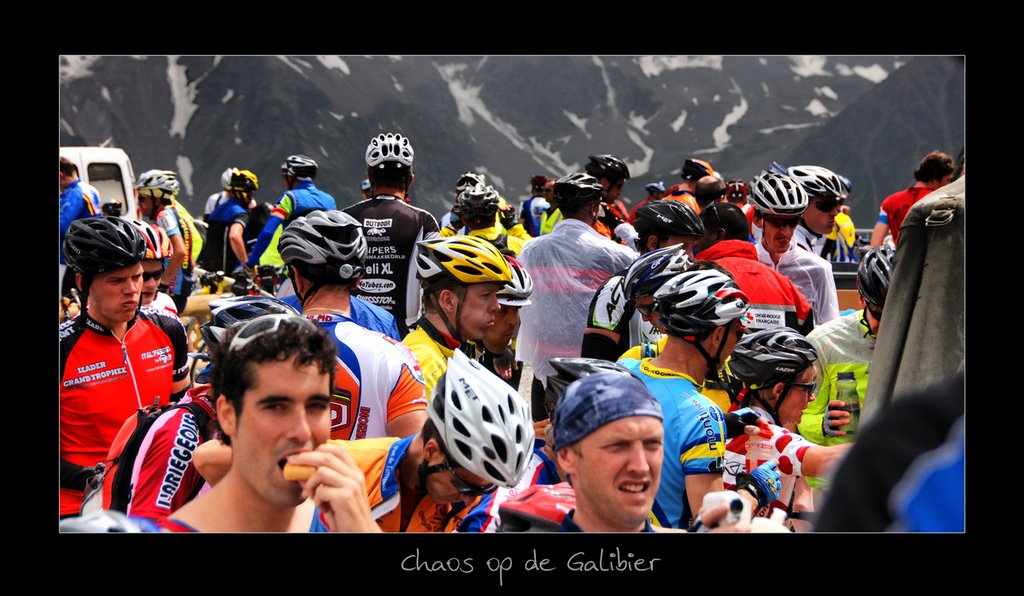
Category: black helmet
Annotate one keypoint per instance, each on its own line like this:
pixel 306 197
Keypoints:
pixel 478 202
pixel 668 217
pixel 873 275
pixel 228 311
pixel 695 169
pixel 607 166
pixel 576 191
pixel 325 246
pixel 97 244
pixel 771 356
pixel 300 166
pixel 568 370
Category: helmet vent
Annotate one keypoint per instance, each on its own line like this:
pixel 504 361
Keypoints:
pixel 499 446
pixel 464 449
pixel 493 472
pixel 460 427
pixel 485 413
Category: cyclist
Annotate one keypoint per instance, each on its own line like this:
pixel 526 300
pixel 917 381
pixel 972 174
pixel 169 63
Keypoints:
pixel 392 228
pixel 826 193
pixel 158 252
pixel 534 207
pixel 114 357
pixel 703 312
pixel 77 200
pixel 461 276
pixel 164 477
pixel 478 209
pixel 225 236
pixel 779 201
pixel 157 191
pixel 611 173
pixel 378 388
pixel 497 348
pixel 451 223
pixel 692 171
pixel 299 198
pixel 213 201
pixel 655 191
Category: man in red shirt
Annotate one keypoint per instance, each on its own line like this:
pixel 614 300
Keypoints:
pixel 935 171
pixel 774 300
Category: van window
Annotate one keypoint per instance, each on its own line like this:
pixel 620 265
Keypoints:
pixel 106 177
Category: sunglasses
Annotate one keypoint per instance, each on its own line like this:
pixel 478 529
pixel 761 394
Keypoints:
pixel 827 206
pixel 647 310
pixel 153 275
pixel 261 326
pixel 783 222
pixel 465 488
pixel 808 387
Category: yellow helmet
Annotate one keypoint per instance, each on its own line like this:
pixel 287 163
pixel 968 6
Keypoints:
pixel 244 182
pixel 461 259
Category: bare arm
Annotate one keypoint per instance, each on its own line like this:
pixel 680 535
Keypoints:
pixel 819 460
pixel 698 485
pixel 878 236
pixel 177 259
pixel 407 424
pixel 237 242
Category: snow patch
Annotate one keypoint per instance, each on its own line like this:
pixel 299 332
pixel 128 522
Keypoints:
pixel 716 98
pixel 238 140
pixel 105 93
pixel 609 91
pixel 695 101
pixel 827 92
pixel 768 131
pixel 652 66
pixel 897 64
pixel 67 127
pixel 338 117
pixel 395 58
pixel 293 64
pixel 227 96
pixel 638 122
pixel 76 67
pixel 323 151
pixel 679 122
pixel 763 61
pixel 809 66
pixel 398 86
pixel 874 73
pixel 843 70
pixel 216 61
pixel 580 123
pixel 183 95
pixel 334 63
pixel 816 108
pixel 184 165
pixel 721 133
pixel 641 167
pixel 764 87
pixel 354 114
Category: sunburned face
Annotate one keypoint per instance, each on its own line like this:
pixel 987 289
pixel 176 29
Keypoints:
pixel 114 295
pixel 479 308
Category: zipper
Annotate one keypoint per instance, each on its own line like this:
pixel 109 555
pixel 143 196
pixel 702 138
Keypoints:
pixel 131 373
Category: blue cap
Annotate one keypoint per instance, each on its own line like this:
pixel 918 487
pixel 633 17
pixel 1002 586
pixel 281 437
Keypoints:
pixel 653 186
pixel 597 399
pixel 365 185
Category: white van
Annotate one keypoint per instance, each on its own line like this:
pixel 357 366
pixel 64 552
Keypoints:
pixel 109 170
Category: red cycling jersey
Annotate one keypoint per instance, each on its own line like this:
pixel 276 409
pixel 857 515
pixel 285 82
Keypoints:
pixel 164 477
pixel 104 380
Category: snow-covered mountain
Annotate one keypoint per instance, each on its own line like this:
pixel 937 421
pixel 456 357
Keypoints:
pixel 507 116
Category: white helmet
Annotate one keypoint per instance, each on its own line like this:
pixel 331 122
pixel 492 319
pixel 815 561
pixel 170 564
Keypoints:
pixel 225 178
pixel 158 182
pixel 818 181
pixel 775 194
pixel 390 147
pixel 484 425
pixel 516 292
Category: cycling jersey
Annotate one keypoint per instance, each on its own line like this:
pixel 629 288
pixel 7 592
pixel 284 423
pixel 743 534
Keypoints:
pixel 377 380
pixel 549 219
pixel 694 438
pixel 812 274
pixel 832 246
pixel 895 207
pixel 169 219
pixel 104 380
pixel 294 203
pixel 432 349
pixel 503 240
pixel 570 525
pixel 392 228
pixel 632 212
pixel 77 200
pixel 533 212
pixel 676 193
pixel 844 345
pixel 485 517
pixel 736 459
pixel 361 313
pixel 611 310
pixel 380 461
pixel 719 392
pixel 774 300
pixel 164 478
pixel 213 201
pixel 219 256
pixel 567 266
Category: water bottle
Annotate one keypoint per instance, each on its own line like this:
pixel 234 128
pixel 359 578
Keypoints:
pixel 846 390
